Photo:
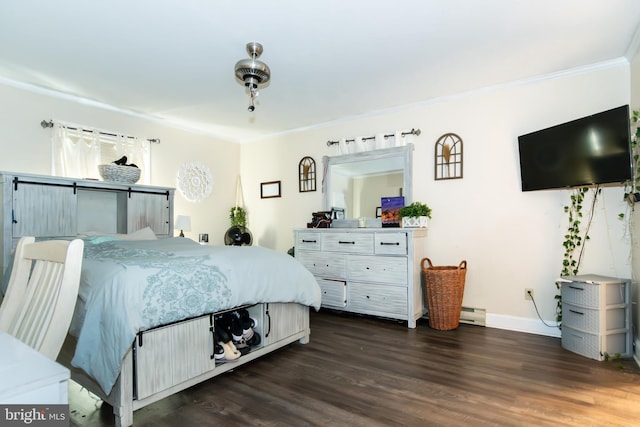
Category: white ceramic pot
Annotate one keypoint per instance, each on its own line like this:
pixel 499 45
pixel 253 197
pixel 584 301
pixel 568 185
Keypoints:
pixel 414 222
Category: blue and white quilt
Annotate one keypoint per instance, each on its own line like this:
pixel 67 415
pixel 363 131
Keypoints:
pixel 133 285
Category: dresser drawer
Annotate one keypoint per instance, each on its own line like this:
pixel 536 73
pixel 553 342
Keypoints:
pixel 580 293
pixel 309 241
pixel 588 319
pixel 594 346
pixel 361 243
pixel 334 293
pixel 580 318
pixel 612 291
pixel 377 269
pixel 390 243
pixel 368 297
pixel 323 264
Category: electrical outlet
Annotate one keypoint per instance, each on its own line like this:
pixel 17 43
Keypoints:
pixel 528 294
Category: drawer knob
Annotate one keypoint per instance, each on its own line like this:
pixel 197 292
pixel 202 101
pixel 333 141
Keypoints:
pixel 346 243
pixel 390 243
pixel 308 241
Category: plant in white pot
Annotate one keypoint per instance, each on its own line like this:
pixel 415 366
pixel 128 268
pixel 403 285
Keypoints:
pixel 415 215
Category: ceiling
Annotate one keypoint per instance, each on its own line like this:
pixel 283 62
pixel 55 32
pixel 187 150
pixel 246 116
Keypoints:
pixel 331 61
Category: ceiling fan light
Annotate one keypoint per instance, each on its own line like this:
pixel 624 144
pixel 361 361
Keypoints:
pixel 251 71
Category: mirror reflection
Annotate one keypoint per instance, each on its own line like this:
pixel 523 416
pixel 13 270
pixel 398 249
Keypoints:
pixel 356 182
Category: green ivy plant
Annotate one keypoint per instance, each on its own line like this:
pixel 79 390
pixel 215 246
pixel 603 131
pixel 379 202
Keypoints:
pixel 572 240
pixel 633 186
pixel 238 217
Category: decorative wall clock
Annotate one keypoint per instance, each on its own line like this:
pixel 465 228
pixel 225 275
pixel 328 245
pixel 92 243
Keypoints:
pixel 195 181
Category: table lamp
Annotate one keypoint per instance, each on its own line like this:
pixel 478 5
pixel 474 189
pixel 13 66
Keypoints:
pixel 183 222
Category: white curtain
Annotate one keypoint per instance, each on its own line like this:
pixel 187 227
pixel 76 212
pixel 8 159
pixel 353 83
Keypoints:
pixel 74 154
pixel 77 153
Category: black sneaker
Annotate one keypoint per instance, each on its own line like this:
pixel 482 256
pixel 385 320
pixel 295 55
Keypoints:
pixel 218 353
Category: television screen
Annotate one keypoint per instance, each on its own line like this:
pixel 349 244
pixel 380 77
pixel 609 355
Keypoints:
pixel 591 150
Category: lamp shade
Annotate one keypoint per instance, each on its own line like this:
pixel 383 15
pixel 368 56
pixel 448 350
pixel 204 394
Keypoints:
pixel 183 222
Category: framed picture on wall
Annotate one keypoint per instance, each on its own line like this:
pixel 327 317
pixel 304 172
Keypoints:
pixel 269 190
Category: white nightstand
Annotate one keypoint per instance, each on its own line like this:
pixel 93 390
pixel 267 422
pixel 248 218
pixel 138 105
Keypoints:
pixel 596 316
pixel 29 377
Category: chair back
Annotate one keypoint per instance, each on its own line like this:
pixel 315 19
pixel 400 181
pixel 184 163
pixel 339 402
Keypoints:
pixel 41 295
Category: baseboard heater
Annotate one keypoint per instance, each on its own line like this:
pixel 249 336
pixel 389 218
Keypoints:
pixel 470 315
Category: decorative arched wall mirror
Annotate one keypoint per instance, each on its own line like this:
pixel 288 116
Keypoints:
pixel 357 182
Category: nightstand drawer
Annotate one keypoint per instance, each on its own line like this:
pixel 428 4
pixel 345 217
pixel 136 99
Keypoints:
pixel 588 320
pixel 377 269
pixel 582 294
pixel 334 293
pixel 588 294
pixel 580 318
pixel 361 243
pixel 390 244
pixel 323 264
pixel 367 297
pixel 594 346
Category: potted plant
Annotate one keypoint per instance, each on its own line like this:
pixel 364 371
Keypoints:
pixel 415 215
pixel 238 217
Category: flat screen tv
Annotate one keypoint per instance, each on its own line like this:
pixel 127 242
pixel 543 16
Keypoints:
pixel 590 150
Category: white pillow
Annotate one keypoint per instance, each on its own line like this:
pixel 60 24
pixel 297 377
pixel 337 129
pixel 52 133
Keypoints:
pixel 142 234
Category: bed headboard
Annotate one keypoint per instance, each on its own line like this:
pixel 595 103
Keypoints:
pixel 55 207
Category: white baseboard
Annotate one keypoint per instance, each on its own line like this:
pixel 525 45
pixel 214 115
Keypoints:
pixel 523 324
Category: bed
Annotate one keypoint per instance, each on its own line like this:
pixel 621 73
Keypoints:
pixel 145 320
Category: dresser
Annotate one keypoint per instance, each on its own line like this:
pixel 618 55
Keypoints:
pixel 373 271
pixel 596 316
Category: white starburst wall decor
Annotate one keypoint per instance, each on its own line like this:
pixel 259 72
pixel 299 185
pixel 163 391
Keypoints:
pixel 195 181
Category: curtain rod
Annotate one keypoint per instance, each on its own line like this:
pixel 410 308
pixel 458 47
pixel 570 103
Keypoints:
pixel 415 132
pixel 49 124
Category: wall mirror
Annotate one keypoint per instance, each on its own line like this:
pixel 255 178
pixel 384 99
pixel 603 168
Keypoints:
pixel 356 182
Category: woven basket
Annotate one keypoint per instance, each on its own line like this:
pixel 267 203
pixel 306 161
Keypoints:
pixel 117 173
pixel 444 288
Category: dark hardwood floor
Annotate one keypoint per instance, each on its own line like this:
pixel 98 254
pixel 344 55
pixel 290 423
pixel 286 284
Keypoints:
pixel 362 371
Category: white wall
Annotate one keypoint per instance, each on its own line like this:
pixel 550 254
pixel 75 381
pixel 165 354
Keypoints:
pixel 511 240
pixel 25 147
